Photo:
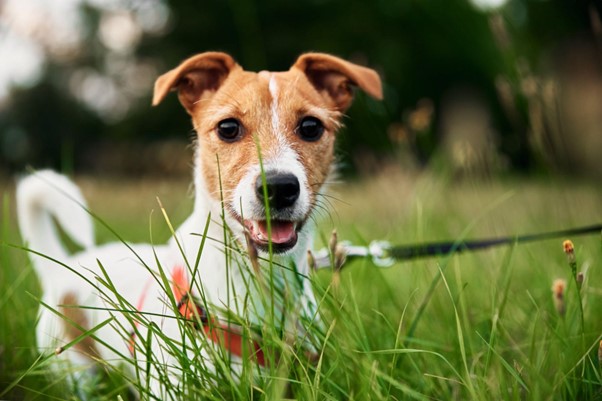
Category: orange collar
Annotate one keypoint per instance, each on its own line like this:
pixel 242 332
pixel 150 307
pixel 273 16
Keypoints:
pixel 226 335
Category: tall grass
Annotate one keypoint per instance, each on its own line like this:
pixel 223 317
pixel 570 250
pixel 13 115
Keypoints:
pixel 476 326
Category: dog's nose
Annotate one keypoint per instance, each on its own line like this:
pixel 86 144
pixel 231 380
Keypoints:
pixel 282 189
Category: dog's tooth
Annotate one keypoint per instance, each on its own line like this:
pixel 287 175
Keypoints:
pixel 257 231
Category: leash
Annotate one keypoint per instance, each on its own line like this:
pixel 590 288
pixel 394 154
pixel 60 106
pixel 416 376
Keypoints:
pixel 383 254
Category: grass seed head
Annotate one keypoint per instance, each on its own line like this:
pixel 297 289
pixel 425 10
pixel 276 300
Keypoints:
pixel 558 288
pixel 311 261
pixel 569 250
pixel 334 240
pixel 340 256
pixel 568 247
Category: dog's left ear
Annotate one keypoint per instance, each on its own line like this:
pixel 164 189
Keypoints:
pixel 194 77
pixel 334 77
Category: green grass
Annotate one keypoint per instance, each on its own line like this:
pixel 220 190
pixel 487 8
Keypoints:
pixel 476 326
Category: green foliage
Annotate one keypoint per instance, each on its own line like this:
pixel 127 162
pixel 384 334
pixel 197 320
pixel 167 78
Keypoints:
pixel 488 328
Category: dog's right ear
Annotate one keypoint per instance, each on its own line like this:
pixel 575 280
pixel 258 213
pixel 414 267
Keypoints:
pixel 194 76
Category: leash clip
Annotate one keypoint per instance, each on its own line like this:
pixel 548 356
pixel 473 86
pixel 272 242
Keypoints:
pixel 380 251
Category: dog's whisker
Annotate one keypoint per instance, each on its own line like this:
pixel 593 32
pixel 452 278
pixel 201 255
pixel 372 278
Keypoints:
pixel 321 209
pixel 329 198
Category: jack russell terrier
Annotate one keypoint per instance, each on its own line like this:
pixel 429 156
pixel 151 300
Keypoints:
pixel 264 152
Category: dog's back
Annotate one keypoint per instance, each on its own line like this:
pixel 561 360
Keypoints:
pixel 103 278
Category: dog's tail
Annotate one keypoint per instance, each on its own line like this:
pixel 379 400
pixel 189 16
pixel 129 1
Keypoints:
pixel 42 197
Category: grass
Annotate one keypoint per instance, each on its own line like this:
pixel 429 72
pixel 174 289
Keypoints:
pixel 476 326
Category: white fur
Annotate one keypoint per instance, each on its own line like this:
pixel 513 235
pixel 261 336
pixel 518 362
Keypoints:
pixel 273 88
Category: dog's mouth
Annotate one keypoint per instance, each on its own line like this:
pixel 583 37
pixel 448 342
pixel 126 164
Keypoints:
pixel 282 234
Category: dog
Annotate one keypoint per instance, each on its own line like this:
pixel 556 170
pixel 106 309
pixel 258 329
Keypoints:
pixel 264 152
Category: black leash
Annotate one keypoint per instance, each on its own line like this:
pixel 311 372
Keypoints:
pixel 406 252
pixel 383 254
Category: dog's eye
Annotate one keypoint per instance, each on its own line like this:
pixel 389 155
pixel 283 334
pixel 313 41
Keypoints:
pixel 229 130
pixel 310 129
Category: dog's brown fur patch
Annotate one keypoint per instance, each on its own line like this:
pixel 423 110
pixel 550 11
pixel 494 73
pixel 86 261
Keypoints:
pixel 75 323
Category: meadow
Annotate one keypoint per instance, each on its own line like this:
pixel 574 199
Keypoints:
pixel 474 326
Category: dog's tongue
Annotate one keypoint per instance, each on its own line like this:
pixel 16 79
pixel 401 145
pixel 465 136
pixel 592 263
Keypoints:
pixel 282 231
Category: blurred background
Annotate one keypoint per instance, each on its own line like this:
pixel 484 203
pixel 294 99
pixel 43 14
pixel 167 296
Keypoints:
pixel 475 87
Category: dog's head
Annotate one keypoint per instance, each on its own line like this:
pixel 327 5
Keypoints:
pixel 289 118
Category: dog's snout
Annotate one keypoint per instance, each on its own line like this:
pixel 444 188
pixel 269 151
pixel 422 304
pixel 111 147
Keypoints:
pixel 282 189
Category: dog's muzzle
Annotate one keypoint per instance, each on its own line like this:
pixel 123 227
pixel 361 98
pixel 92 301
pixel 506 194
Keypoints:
pixel 280 192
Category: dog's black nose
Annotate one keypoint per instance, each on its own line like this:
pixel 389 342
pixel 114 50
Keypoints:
pixel 282 189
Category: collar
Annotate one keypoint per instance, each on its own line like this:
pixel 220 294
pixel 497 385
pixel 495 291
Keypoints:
pixel 228 336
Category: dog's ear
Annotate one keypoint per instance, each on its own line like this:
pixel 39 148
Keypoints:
pixel 334 77
pixel 200 73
